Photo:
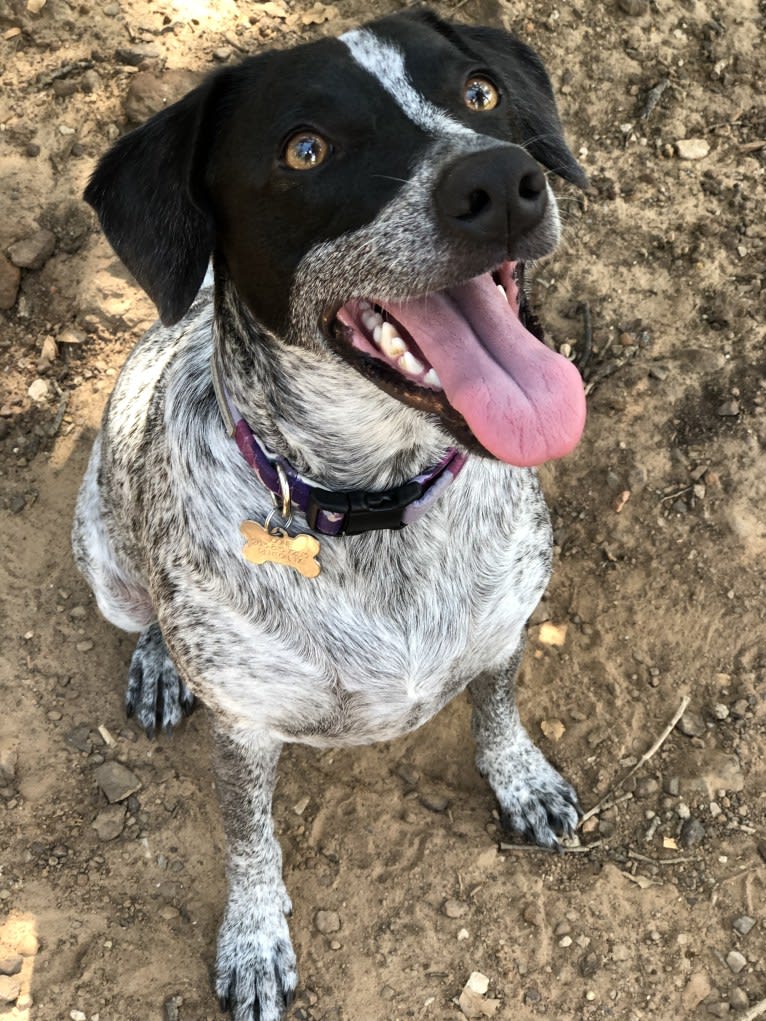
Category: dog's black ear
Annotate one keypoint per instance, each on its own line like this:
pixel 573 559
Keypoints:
pixel 529 90
pixel 144 191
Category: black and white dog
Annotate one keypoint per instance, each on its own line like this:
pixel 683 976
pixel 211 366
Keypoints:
pixel 313 492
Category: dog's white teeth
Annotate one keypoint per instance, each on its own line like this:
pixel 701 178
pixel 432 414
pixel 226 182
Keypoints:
pixel 432 379
pixel 371 320
pixel 391 342
pixel 409 363
pixel 364 306
pixel 376 334
pixel 502 291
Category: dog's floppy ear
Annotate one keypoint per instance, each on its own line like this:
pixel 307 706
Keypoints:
pixel 528 86
pixel 151 209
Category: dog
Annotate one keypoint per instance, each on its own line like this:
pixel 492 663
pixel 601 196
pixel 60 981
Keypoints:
pixel 313 494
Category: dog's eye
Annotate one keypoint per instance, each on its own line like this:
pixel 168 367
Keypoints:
pixel 305 150
pixel 480 94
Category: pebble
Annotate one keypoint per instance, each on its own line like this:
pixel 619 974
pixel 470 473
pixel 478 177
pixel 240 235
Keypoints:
pixel 729 409
pixel 736 961
pixel 552 729
pixel 691 724
pixel 10 987
pixel 110 822
pixel 647 788
pixel 718 1009
pixel 33 252
pixel 11 965
pixel 32 149
pixel 454 908
pixel 433 801
pixel 672 786
pixel 692 833
pixel 85 646
pixel 692 148
pixel 743 925
pixel 78 1015
pixel 117 781
pixel 171 1006
pixel 149 93
pixel 635 8
pixel 738 998
pixel 39 390
pixel 10 278
pixel 327 921
pixel 565 941
pixel 721 711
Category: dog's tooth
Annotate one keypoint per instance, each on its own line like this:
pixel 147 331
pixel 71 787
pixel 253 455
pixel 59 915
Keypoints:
pixel 376 334
pixel 391 342
pixel 371 320
pixel 364 306
pixel 432 379
pixel 502 291
pixel 409 363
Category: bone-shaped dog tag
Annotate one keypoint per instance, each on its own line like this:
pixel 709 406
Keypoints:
pixel 277 547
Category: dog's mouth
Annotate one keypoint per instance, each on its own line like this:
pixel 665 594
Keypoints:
pixel 470 354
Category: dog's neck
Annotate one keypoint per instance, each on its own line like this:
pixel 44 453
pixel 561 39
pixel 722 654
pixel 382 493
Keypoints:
pixel 306 405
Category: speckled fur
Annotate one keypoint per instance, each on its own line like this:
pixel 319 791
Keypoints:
pixel 396 624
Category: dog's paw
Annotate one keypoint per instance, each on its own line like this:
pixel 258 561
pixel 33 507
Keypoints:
pixel 156 695
pixel 535 801
pixel 255 969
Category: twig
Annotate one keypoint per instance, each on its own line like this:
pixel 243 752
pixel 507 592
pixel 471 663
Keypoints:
pixel 644 758
pixel 755 1011
pixel 561 849
pixel 587 338
pixel 759 143
pixel 653 97
pixel 658 861
pixel 674 496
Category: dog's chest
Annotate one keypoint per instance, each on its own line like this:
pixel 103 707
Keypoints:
pixel 393 628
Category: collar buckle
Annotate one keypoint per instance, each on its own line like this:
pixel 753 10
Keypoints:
pixel 363 511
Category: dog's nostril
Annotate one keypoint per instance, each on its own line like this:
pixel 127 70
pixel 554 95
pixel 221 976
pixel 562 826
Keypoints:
pixel 532 185
pixel 475 203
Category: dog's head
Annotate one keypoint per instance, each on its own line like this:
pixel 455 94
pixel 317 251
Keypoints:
pixel 374 195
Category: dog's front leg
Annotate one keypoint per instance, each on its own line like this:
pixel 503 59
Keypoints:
pixel 255 968
pixel 534 799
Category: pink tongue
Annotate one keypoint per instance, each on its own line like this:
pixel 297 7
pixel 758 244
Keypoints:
pixel 522 401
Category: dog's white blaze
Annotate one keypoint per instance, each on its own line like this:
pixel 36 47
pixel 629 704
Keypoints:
pixel 385 62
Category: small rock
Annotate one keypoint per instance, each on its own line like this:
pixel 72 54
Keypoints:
pixel 553 634
pixel 300 806
pixel 647 787
pixel 477 983
pixel 554 730
pixel 589 964
pixel 39 390
pixel 692 833
pixel 721 711
pixel 34 251
pixel 117 781
pixel 672 785
pixel 738 998
pixel 222 54
pixel 327 921
pixel 32 149
pixel 697 988
pixel 634 8
pixel 149 93
pixel 532 995
pixel 79 737
pixel 71 336
pixel 110 822
pixel 718 1009
pixel 171 1006
pixel 48 354
pixel 10 987
pixel 729 409
pixel 84 646
pixel 743 925
pixel 454 908
pixel 691 724
pixel 433 801
pixel 91 81
pixel 8 761
pixel 692 148
pixel 10 278
pixel 11 965
pixel 408 773
pixel 736 961
pixel 565 941
pixel 78 1015
pixel 28 945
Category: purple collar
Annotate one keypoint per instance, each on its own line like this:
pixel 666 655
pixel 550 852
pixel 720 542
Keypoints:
pixel 348 512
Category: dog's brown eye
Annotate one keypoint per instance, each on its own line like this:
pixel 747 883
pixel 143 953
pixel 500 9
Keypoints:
pixel 305 150
pixel 480 94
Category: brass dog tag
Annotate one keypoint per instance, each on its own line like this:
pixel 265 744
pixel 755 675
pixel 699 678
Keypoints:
pixel 277 547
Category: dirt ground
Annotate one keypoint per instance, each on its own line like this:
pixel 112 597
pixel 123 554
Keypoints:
pixel 658 590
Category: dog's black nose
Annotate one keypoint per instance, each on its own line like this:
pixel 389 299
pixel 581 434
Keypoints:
pixel 497 195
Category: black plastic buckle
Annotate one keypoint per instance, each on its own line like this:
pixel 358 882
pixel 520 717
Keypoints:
pixel 364 512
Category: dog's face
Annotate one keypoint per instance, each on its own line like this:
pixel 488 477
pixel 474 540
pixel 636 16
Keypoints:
pixel 374 195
